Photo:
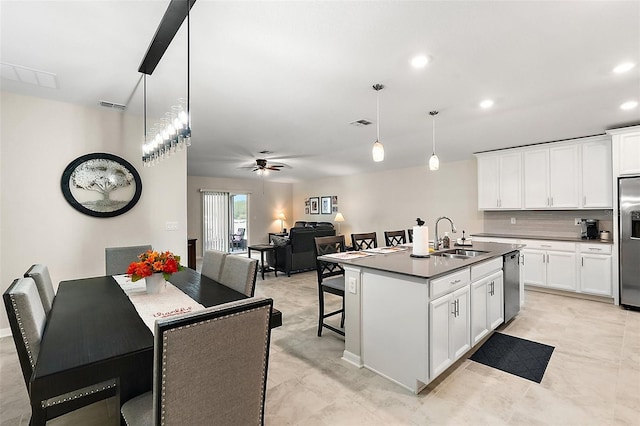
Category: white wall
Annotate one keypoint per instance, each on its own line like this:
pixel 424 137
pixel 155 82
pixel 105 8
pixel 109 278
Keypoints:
pixel 393 199
pixel 38 139
pixel 266 200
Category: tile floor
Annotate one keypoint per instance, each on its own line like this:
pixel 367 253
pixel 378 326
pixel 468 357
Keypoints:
pixel 593 377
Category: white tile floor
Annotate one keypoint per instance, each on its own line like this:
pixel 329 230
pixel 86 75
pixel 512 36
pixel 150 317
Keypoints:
pixel 593 377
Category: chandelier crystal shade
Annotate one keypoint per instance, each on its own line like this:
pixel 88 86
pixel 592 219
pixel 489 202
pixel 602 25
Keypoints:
pixel 434 161
pixel 173 132
pixel 378 149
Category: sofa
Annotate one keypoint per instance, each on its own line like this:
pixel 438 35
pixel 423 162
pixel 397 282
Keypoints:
pixel 296 253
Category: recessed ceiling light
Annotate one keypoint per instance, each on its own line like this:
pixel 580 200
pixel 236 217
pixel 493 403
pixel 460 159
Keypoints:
pixel 623 67
pixel 419 61
pixel 629 105
pixel 487 103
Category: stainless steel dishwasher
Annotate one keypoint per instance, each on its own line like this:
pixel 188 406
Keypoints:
pixel 511 276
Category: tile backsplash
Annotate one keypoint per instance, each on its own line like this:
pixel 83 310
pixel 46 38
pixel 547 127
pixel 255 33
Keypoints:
pixel 544 223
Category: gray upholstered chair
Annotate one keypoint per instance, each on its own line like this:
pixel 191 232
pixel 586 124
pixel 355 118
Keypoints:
pixel 213 263
pixel 118 259
pixel 239 273
pixel 212 372
pixel 364 241
pixel 394 238
pixel 40 274
pixel 330 279
pixel 27 321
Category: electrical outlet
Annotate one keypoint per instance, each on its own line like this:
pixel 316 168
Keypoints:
pixel 352 285
pixel 513 220
pixel 578 221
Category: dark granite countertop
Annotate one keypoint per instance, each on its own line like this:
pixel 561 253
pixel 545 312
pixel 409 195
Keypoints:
pixel 538 237
pixel 431 267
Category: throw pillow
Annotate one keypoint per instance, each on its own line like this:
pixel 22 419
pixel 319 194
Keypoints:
pixel 279 241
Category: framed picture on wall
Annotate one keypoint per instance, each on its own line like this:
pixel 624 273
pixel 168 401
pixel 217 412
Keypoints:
pixel 334 209
pixel 334 200
pixel 325 205
pixel 306 210
pixel 314 205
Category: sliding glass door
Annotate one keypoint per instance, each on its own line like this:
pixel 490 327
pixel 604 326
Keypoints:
pixel 224 221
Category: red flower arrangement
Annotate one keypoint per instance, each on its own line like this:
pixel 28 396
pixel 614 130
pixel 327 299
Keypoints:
pixel 152 262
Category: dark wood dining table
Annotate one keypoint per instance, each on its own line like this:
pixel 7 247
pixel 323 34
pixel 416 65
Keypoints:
pixel 94 333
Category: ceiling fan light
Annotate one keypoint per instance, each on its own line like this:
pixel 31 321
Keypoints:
pixel 378 152
pixel 434 162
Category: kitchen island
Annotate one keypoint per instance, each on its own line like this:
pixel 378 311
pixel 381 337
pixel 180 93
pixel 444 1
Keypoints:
pixel 409 319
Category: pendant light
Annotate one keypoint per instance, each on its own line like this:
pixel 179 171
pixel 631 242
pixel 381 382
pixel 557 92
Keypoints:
pixel 378 149
pixel 434 161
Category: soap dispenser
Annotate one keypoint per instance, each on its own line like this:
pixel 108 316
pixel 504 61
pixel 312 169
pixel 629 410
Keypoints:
pixel 446 241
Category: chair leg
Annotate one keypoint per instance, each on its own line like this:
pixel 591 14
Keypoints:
pixel 321 313
pixel 342 316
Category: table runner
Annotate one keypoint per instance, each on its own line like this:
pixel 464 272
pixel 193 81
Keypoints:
pixel 170 302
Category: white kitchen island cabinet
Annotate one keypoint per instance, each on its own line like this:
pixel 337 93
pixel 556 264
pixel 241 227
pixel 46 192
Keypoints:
pixel 409 319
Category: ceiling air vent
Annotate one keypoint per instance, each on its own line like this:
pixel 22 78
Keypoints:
pixel 360 123
pixel 113 105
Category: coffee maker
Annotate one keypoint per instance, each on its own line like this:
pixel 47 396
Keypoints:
pixel 589 228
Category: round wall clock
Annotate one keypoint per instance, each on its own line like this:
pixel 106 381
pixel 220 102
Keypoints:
pixel 101 185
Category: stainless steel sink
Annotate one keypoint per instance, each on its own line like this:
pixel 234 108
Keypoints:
pixel 458 253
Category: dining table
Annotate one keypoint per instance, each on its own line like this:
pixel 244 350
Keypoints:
pixel 93 334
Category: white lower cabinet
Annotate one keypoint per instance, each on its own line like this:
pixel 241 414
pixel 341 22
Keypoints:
pixel 550 264
pixel 595 269
pixel 487 306
pixel 449 329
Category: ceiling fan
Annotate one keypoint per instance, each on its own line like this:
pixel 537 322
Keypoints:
pixel 262 167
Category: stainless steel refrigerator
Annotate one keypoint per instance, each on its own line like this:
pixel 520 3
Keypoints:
pixel 629 224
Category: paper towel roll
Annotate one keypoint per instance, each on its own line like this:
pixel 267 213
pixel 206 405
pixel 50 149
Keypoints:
pixel 420 240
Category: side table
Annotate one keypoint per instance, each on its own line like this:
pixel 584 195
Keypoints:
pixel 264 248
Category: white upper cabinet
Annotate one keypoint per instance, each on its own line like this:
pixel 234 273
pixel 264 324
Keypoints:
pixel 597 174
pixel 564 175
pixel 626 147
pixel 499 181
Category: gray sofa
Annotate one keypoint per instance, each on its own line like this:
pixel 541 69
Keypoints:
pixel 296 254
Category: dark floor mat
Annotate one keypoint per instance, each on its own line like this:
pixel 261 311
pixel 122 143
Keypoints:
pixel 517 356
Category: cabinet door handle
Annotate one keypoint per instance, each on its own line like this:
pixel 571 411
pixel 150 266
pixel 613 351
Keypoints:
pixel 457 307
pixel 454 308
pixel 595 249
pixel 545 245
pixel 584 200
pixel 522 256
pixel 548 204
pixel 455 282
pixel 551 201
pixel 583 261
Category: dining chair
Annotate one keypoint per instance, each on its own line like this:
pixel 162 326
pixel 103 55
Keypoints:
pixel 213 263
pixel 118 259
pixel 239 273
pixel 330 279
pixel 27 320
pixel 394 238
pixel 210 367
pixel 40 274
pixel 364 241
pixel 410 233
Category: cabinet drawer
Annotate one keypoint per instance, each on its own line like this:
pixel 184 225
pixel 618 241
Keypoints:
pixel 595 248
pixel 549 245
pixel 448 283
pixel 485 268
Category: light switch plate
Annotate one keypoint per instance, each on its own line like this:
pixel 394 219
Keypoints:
pixel 352 286
pixel 513 220
pixel 171 226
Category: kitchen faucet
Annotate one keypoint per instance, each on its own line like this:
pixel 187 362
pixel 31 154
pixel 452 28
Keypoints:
pixel 437 243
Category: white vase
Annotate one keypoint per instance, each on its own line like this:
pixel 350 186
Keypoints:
pixel 155 283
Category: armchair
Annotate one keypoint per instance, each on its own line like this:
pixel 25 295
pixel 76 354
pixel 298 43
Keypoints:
pixel 238 241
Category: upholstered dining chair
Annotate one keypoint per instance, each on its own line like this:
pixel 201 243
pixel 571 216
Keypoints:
pixel 212 263
pixel 410 233
pixel 40 274
pixel 118 259
pixel 239 273
pixel 210 367
pixel 364 241
pixel 27 320
pixel 330 279
pixel 394 238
